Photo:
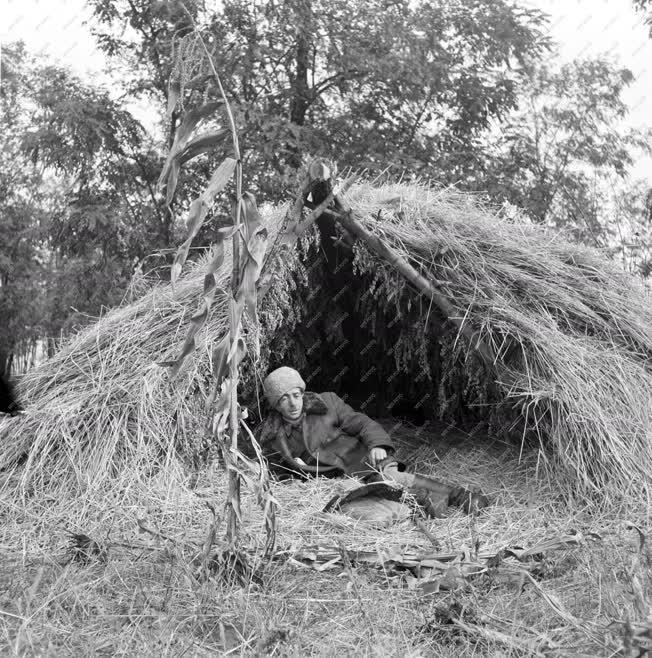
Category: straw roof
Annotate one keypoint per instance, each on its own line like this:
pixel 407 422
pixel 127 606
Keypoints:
pixel 571 333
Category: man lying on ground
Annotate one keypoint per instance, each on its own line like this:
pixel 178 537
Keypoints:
pixel 318 433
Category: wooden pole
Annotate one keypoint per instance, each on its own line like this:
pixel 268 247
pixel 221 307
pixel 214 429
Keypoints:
pixel 297 226
pixel 346 217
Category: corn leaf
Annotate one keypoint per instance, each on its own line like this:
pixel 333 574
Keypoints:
pixel 198 211
pixel 179 260
pixel 189 346
pixel 222 407
pixel 201 144
pixel 225 351
pixel 210 284
pixel 220 356
pixel 235 312
pixel 238 351
pixel 196 216
pixel 181 139
pixel 251 215
pixel 201 315
pixel 255 255
pixel 173 178
pixel 190 121
pixel 219 179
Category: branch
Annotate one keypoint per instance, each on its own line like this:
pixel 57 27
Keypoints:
pixel 417 120
pixel 332 80
pixel 297 226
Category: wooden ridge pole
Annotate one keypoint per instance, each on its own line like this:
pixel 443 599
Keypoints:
pixel 346 217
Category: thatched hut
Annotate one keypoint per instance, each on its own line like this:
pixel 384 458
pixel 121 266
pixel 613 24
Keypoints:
pixel 543 341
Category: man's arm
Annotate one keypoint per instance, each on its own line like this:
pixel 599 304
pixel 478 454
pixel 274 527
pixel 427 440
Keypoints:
pixel 356 423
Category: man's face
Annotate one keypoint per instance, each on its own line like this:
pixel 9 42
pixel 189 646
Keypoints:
pixel 290 405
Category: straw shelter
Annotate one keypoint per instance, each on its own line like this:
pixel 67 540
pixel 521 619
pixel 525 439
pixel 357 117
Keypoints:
pixel 500 326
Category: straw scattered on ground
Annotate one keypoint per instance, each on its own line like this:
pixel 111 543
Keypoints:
pixel 589 600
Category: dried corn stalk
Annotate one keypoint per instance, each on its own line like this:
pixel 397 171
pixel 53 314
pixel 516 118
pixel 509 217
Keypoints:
pixel 249 243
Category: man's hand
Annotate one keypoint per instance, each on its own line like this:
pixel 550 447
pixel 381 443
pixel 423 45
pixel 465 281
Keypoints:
pixel 377 455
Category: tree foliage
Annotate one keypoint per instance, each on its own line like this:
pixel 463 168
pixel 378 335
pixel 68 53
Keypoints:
pixel 645 7
pixel 365 83
pixel 558 154
pixel 78 199
pixel 23 205
pixel 631 228
pixel 451 90
pixel 110 218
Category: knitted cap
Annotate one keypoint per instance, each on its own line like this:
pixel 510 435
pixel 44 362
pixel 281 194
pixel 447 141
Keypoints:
pixel 280 381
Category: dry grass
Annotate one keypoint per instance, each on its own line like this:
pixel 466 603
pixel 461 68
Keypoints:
pixel 148 601
pixel 573 336
pixel 573 333
pixel 102 401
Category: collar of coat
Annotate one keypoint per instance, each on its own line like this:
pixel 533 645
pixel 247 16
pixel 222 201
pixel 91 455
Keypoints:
pixel 313 404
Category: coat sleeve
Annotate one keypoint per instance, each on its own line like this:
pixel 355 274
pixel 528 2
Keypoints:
pixel 358 424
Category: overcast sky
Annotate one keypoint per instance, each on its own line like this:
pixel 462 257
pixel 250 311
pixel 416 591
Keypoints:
pixel 606 27
pixel 581 27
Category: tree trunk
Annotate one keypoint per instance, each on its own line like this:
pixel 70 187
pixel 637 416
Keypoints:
pixel 300 98
pixel 300 89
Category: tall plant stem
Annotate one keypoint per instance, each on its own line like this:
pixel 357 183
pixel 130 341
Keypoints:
pixel 233 501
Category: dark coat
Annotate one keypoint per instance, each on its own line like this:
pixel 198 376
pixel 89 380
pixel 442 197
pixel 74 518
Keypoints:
pixel 331 433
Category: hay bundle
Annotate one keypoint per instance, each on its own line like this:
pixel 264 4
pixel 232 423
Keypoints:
pixel 572 336
pixel 102 404
pixel 571 332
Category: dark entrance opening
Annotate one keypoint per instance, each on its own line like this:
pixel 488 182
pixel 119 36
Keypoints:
pixel 366 335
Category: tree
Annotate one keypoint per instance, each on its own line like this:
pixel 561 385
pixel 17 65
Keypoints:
pixel 366 83
pixel 79 198
pixel 23 204
pixel 560 151
pixel 94 152
pixel 22 263
pixel 631 227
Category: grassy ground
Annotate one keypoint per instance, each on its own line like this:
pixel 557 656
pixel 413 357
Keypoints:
pixel 144 597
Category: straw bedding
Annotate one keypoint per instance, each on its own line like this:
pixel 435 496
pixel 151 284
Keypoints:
pixel 572 335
